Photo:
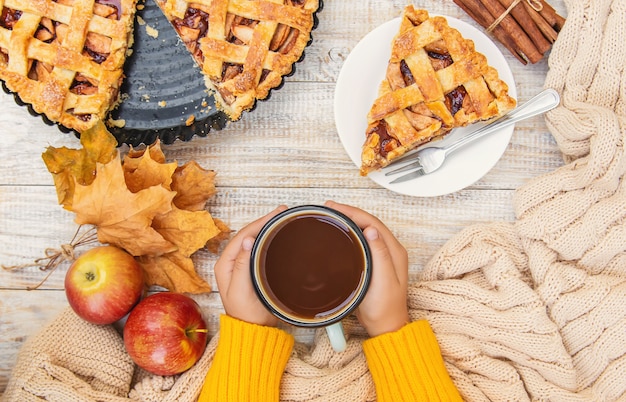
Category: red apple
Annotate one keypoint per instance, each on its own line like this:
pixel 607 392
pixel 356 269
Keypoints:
pixel 165 333
pixel 103 284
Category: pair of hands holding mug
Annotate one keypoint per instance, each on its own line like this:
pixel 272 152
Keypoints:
pixel 384 308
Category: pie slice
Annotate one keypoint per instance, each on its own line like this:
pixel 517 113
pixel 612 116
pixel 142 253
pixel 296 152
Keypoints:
pixel 65 57
pixel 435 81
pixel 244 47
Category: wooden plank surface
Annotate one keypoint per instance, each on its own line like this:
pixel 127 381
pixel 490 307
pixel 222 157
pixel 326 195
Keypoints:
pixel 285 152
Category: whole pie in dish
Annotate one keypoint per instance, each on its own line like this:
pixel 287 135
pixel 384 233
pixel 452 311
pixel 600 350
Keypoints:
pixel 435 81
pixel 65 57
pixel 244 47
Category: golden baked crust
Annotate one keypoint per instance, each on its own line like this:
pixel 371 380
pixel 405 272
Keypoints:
pixel 435 81
pixel 244 47
pixel 65 57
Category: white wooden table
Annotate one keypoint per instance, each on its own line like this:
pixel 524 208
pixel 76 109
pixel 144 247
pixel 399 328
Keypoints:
pixel 286 151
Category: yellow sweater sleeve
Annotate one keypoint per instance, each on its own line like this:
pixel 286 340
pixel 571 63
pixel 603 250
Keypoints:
pixel 407 366
pixel 249 363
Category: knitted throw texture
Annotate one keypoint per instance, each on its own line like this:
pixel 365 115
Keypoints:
pixel 529 310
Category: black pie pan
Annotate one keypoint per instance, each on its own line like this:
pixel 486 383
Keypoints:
pixel 163 94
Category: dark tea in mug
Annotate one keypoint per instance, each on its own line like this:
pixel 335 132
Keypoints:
pixel 311 265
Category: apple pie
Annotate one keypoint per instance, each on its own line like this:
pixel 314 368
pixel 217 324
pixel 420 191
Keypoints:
pixel 65 57
pixel 243 47
pixel 435 81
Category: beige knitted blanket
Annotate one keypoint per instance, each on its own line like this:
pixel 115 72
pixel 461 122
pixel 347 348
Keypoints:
pixel 530 310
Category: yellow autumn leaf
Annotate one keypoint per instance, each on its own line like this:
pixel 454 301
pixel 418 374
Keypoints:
pixel 123 218
pixel 214 243
pixel 188 230
pixel 156 153
pixel 194 185
pixel 152 209
pixel 142 171
pixel 173 271
pixel 70 166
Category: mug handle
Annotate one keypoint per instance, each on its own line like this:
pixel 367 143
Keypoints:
pixel 336 336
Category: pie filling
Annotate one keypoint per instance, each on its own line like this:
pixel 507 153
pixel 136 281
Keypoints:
pixel 191 29
pixel 386 142
pixel 9 17
pixel 455 100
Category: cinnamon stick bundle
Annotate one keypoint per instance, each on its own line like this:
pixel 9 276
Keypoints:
pixel 527 28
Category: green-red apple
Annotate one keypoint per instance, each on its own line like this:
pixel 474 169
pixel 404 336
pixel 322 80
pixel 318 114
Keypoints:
pixel 104 284
pixel 165 333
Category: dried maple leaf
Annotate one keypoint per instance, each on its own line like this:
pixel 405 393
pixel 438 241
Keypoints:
pixel 156 153
pixel 188 230
pixel 70 166
pixel 213 244
pixel 194 185
pixel 123 218
pixel 142 171
pixel 173 271
pixel 152 209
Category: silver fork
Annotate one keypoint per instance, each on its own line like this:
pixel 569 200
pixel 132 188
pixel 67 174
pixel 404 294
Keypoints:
pixel 427 160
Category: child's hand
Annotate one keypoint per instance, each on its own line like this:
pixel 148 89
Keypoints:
pixel 232 272
pixel 384 308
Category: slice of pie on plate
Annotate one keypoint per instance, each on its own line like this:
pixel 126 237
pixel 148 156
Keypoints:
pixel 65 57
pixel 435 81
pixel 243 47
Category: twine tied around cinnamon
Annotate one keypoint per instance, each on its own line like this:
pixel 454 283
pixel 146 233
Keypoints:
pixel 55 256
pixel 535 4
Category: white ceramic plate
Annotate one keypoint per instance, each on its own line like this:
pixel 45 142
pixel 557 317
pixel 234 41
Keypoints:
pixel 357 88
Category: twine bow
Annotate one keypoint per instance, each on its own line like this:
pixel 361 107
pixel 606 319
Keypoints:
pixel 534 4
pixel 55 256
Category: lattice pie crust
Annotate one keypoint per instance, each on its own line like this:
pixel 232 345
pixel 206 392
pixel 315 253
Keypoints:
pixel 243 47
pixel 65 57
